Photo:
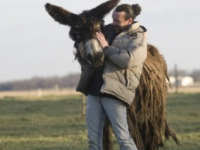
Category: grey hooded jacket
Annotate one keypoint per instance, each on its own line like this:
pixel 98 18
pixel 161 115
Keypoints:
pixel 123 65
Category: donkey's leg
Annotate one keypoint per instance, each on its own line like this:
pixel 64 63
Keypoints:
pixel 107 143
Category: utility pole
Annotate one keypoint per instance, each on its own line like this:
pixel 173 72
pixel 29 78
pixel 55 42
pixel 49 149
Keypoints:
pixel 176 78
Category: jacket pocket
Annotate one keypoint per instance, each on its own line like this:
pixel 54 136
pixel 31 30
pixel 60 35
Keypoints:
pixel 132 80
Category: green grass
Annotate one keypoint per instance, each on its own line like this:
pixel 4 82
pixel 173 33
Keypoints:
pixel 183 114
pixel 54 123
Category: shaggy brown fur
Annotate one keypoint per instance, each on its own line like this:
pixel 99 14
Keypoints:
pixel 147 114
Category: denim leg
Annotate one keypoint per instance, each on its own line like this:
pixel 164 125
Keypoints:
pixel 116 112
pixel 95 118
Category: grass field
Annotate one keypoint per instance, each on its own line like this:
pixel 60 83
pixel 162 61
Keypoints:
pixel 54 123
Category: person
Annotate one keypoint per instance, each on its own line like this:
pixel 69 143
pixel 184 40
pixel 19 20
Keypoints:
pixel 111 89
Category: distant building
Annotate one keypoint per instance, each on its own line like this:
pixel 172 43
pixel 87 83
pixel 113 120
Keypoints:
pixel 187 81
pixel 182 81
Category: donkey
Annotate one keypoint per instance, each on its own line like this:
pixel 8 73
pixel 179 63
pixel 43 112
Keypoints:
pixel 84 27
pixel 147 114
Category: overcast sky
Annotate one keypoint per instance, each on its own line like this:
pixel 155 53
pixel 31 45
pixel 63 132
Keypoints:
pixel 33 44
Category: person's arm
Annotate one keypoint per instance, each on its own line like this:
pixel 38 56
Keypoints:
pixel 133 55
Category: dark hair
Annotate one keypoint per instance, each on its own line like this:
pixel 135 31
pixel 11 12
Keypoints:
pixel 131 11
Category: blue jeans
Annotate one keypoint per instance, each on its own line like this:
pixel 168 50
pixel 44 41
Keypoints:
pixel 97 109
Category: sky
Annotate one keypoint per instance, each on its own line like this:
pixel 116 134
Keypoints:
pixel 32 44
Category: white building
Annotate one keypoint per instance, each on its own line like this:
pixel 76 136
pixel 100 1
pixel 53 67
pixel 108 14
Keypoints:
pixel 187 81
pixel 182 81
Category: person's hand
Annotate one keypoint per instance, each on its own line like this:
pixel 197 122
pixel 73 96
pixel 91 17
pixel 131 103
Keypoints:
pixel 101 38
pixel 81 49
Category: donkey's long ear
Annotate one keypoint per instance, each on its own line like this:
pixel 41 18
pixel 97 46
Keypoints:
pixel 62 16
pixel 103 9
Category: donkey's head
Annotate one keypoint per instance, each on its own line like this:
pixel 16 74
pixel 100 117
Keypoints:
pixel 84 27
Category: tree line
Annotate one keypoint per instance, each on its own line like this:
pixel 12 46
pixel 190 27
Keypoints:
pixel 68 81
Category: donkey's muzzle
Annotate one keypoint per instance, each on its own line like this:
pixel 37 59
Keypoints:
pixel 96 60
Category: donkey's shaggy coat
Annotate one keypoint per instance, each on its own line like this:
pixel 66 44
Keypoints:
pixel 147 114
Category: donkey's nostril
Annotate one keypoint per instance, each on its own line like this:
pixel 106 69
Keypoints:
pixel 89 57
pixel 100 54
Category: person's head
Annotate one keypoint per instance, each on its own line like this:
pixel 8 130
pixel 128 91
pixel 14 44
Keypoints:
pixel 125 14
